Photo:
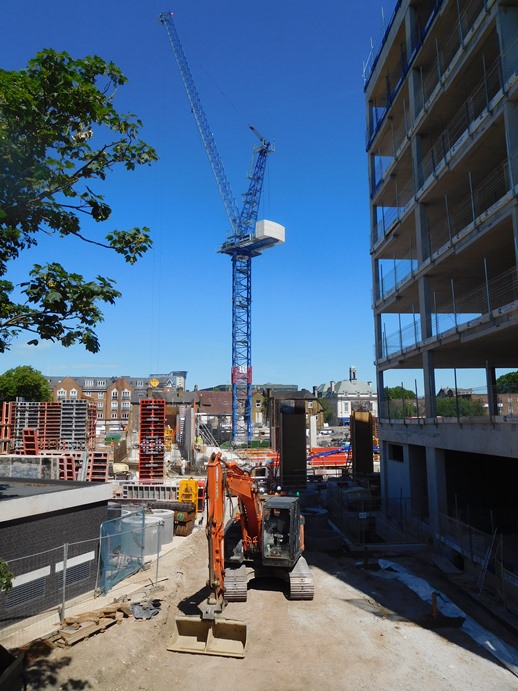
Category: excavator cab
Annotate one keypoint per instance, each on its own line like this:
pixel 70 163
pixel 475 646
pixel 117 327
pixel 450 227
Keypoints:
pixel 281 534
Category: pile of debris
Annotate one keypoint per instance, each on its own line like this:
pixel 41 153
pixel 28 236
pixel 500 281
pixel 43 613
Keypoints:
pixel 76 628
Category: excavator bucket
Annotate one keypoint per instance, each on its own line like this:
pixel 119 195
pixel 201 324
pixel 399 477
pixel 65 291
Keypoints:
pixel 224 637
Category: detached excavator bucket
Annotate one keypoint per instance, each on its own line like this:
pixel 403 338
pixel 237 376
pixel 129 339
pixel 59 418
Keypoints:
pixel 225 637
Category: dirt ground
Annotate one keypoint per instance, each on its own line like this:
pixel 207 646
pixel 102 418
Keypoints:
pixel 360 632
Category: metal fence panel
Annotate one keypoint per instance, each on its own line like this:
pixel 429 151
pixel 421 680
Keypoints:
pixel 122 549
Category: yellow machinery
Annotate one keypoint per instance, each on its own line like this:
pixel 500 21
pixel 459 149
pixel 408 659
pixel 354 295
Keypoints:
pixel 187 496
pixel 188 490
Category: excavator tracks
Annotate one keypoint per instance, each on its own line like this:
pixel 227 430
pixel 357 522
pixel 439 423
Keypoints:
pixel 301 581
pixel 236 584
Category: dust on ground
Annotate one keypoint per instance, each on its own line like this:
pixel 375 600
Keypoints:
pixel 360 632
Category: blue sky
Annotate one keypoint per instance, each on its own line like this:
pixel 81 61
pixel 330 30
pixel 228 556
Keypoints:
pixel 293 69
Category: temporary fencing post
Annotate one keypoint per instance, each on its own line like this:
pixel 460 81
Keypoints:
pixel 62 610
pixel 159 525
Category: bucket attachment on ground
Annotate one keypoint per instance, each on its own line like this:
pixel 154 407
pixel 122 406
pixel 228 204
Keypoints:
pixel 225 637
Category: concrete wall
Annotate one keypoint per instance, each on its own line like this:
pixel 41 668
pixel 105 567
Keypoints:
pixel 482 436
pixel 29 467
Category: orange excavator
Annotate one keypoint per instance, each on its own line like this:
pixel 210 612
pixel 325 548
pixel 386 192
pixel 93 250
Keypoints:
pixel 265 537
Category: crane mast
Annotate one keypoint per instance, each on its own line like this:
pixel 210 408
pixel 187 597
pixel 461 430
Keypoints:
pixel 242 243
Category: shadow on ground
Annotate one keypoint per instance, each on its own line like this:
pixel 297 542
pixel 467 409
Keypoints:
pixel 41 672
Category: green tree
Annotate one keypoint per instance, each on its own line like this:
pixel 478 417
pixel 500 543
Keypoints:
pixel 26 382
pixel 60 135
pixel 327 409
pixel 6 577
pixel 508 383
pixel 447 407
pixel 398 393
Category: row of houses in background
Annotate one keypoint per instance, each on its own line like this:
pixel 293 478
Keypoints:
pixel 114 397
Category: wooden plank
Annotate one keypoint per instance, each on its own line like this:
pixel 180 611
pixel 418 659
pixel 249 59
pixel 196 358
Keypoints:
pixel 85 629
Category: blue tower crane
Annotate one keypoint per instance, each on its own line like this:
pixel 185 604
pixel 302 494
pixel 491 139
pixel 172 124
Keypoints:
pixel 247 239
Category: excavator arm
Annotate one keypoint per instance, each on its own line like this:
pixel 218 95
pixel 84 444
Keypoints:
pixel 227 478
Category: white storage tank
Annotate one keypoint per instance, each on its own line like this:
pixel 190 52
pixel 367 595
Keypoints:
pixel 151 535
pixel 167 530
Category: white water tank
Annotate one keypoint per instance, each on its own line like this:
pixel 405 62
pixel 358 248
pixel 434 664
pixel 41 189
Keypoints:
pixel 167 530
pixel 151 534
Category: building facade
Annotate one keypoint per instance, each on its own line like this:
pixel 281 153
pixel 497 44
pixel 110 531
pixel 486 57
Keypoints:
pixel 112 396
pixel 442 142
pixel 347 396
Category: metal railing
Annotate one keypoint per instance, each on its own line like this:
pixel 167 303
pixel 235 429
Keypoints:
pixel 495 293
pixel 446 49
pixel 472 202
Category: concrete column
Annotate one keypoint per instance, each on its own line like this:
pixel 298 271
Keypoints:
pixel 515 233
pixel 417 157
pixel 376 282
pixel 371 162
pixel 422 240
pixel 511 134
pixel 492 397
pixel 436 478
pixel 429 384
pixel 370 122
pixel 425 307
pixel 380 383
pixel 378 336
pixel 507 29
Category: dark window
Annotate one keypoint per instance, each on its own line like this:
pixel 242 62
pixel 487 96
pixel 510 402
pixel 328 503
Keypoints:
pixel 76 573
pixel 20 594
pixel 395 452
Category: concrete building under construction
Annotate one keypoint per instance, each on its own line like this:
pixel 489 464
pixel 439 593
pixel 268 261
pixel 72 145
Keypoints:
pixel 442 140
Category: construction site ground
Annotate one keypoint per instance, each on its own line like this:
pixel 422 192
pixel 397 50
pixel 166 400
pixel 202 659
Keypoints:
pixel 360 632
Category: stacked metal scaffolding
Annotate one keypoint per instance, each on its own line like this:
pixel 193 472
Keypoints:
pixel 66 425
pixel 152 440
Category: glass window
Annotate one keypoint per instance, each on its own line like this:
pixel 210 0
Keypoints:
pixel 125 405
pixel 126 393
pixel 115 394
pixel 73 393
pixel 101 382
pixel 114 416
pixel 100 406
pixel 114 405
pixel 89 382
pixel 124 416
pixel 100 394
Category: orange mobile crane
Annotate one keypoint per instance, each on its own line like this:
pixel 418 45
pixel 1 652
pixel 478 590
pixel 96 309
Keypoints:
pixel 264 538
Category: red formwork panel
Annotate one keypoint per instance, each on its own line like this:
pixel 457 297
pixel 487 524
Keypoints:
pixel 152 440
pixel 97 470
pixel 49 425
pixel 91 422
pixel 6 427
pixel 30 442
pixel 67 468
